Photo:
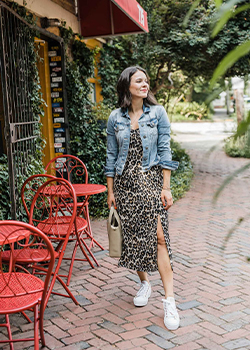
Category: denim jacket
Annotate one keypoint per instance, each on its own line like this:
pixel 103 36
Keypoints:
pixel 154 129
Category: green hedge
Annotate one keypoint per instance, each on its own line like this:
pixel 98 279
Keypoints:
pixel 180 178
pixel 239 147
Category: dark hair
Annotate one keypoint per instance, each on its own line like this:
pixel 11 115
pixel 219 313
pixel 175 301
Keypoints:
pixel 124 95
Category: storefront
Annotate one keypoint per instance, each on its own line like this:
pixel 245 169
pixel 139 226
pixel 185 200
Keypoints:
pixel 18 126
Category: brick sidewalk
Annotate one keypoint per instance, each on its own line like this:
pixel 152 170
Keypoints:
pixel 212 286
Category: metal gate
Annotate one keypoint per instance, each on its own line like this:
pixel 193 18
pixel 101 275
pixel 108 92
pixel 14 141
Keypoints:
pixel 21 122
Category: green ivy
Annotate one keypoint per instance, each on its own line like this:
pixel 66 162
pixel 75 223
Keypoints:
pixel 87 140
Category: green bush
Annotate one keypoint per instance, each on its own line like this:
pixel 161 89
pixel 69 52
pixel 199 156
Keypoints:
pixel 239 147
pixel 180 178
pixel 190 111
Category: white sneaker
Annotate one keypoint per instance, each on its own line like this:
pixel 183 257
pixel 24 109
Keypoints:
pixel 141 298
pixel 171 317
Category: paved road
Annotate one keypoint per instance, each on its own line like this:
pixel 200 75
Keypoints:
pixel 212 285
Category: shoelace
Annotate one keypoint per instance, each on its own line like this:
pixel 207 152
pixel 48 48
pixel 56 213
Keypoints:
pixel 142 290
pixel 169 309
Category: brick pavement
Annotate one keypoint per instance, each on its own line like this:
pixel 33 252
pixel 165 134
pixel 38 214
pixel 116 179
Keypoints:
pixel 212 286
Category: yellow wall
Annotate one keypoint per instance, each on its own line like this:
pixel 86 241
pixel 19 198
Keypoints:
pixel 91 44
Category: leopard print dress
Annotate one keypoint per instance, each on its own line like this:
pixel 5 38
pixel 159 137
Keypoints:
pixel 138 200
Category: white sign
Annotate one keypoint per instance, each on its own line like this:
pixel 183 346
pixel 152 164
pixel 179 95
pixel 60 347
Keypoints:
pixel 54 94
pixel 58 120
pixel 58 110
pixel 57 69
pixel 60 161
pixel 52 53
pixel 57 79
pixel 53 85
pixel 57 144
pixel 60 139
pixel 53 64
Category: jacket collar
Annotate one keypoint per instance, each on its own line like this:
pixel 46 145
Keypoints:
pixel 146 109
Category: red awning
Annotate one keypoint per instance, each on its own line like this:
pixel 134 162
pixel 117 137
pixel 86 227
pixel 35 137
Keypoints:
pixel 111 17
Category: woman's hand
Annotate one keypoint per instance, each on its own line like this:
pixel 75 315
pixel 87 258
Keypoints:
pixel 111 200
pixel 166 198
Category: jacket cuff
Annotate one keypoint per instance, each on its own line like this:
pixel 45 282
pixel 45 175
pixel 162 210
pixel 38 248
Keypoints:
pixel 109 172
pixel 169 164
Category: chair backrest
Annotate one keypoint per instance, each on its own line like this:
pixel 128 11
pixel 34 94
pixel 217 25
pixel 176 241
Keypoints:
pixel 68 167
pixel 53 209
pixel 30 188
pixel 17 285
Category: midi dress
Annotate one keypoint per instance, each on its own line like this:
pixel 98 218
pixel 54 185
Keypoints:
pixel 138 201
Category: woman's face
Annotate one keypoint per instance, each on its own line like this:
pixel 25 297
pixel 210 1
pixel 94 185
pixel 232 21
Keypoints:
pixel 139 85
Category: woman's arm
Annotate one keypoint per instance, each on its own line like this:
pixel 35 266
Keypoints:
pixel 163 144
pixel 111 197
pixel 112 148
pixel 166 195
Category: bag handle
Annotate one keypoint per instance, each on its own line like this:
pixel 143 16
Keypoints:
pixel 111 213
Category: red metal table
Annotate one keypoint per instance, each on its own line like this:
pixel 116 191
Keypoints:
pixel 88 189
pixel 85 191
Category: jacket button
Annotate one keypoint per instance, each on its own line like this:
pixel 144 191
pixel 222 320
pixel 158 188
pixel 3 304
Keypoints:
pixel 146 147
pixel 145 158
pixel 142 125
pixel 144 136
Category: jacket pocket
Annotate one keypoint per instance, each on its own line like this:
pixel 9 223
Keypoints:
pixel 119 127
pixel 152 126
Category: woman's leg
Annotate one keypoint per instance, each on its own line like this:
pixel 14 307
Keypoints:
pixel 143 276
pixel 163 261
pixel 171 317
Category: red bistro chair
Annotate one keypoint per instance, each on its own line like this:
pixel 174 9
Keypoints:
pixel 19 289
pixel 68 167
pixel 53 211
pixel 28 192
pixel 30 187
pixel 75 171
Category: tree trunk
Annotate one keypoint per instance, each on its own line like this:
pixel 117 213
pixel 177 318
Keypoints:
pixel 239 103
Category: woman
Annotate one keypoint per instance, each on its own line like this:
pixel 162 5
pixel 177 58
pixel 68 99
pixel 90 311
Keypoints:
pixel 138 170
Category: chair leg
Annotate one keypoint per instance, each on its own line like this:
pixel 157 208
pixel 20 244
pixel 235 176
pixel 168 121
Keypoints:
pixel 70 295
pixel 36 325
pixel 9 331
pixel 72 263
pixel 79 242
pixel 89 251
pixel 41 326
pixel 86 210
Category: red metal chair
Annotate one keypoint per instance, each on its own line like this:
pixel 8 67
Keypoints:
pixel 53 211
pixel 28 192
pixel 30 187
pixel 68 167
pixel 19 289
pixel 75 171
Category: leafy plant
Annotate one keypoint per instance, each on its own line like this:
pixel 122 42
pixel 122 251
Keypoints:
pixel 87 140
pixel 101 111
pixel 192 110
pixel 180 178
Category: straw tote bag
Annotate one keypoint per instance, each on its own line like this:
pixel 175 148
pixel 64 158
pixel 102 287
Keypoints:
pixel 115 234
